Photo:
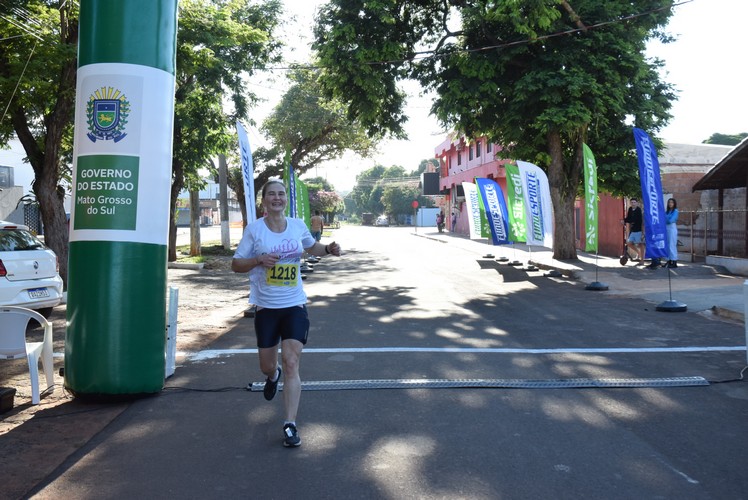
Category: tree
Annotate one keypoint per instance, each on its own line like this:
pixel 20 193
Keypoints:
pixel 726 139
pixel 540 78
pixel 322 197
pixel 363 195
pixel 327 202
pixel 318 184
pixel 424 165
pixel 220 43
pixel 309 129
pixel 37 82
pixel 398 198
pixel 370 192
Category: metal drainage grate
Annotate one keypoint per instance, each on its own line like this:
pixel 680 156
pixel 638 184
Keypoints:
pixel 572 383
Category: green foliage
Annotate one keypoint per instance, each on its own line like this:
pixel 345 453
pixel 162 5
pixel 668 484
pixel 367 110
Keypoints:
pixel 364 194
pixel 219 45
pixel 310 128
pixel 397 199
pixel 323 197
pixel 540 77
pixel 386 190
pixel 327 202
pixel 318 184
pixel 424 165
pixel 37 85
pixel 726 139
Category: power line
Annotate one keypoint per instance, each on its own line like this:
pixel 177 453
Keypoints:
pixel 18 82
pixel 431 54
pixel 388 181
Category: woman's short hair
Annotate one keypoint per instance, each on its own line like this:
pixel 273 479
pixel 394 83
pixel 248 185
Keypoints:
pixel 271 181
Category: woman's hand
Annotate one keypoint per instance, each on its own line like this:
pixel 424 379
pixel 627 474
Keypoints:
pixel 332 249
pixel 267 260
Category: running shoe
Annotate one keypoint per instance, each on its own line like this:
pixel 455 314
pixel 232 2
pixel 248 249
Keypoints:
pixel 271 387
pixel 291 436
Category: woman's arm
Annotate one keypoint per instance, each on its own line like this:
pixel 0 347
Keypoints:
pixel 246 265
pixel 320 250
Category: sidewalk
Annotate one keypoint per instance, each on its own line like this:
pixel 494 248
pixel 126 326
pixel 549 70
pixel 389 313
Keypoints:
pixel 706 289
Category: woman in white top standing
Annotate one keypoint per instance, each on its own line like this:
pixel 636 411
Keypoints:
pixel 271 250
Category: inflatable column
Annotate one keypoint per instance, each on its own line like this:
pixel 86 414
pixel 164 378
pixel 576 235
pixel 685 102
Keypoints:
pixel 116 310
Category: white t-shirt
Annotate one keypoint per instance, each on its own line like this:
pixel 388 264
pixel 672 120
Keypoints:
pixel 279 286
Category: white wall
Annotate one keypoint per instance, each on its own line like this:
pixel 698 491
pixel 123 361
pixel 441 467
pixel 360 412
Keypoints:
pixel 23 174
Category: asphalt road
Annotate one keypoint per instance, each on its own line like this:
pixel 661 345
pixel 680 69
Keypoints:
pixel 435 320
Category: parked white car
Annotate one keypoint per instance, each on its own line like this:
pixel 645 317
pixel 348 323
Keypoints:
pixel 29 272
pixel 382 220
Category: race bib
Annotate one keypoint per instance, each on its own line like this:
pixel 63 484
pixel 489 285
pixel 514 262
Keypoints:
pixel 282 275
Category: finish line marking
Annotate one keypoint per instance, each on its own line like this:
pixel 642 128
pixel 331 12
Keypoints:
pixel 574 383
pixel 216 353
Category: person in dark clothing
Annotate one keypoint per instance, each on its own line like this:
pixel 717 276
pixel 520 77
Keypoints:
pixel 634 220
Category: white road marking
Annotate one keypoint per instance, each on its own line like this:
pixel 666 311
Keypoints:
pixel 215 353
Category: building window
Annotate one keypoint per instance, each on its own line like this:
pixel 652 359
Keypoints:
pixel 477 149
pixel 470 153
pixel 489 147
pixel 459 158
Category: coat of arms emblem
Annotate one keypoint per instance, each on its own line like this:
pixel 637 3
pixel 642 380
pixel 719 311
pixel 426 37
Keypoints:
pixel 106 111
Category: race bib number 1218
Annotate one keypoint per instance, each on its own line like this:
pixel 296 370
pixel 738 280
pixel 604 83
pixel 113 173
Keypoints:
pixel 282 275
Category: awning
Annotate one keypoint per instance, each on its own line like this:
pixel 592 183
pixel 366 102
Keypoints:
pixel 730 172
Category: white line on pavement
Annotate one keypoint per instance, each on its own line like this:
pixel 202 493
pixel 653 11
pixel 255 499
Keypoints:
pixel 214 353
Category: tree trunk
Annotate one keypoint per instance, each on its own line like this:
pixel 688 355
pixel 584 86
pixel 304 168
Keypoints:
pixel 243 208
pixel 223 200
pixel 46 165
pixel 177 183
pixel 563 181
pixel 194 223
pixel 50 197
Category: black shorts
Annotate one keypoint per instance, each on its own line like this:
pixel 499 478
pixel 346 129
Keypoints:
pixel 274 325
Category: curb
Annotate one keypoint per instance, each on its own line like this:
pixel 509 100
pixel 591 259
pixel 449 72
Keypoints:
pixel 186 265
pixel 728 314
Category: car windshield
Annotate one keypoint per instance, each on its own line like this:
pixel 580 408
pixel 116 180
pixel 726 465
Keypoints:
pixel 18 239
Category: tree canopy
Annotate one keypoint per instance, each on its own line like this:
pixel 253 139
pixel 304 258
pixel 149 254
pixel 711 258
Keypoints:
pixel 219 45
pixel 322 197
pixel 726 139
pixel 37 82
pixel 307 129
pixel 540 78
pixel 390 190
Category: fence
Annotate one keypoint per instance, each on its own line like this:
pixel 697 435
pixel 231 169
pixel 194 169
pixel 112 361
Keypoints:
pixel 713 232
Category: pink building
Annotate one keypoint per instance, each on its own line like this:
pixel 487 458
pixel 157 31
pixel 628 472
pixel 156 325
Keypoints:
pixel 463 161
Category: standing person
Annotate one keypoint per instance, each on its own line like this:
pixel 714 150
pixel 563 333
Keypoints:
pixel 454 220
pixel 440 221
pixel 671 230
pixel 270 250
pixel 317 223
pixel 634 220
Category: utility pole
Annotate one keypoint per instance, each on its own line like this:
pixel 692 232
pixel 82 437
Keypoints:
pixel 223 172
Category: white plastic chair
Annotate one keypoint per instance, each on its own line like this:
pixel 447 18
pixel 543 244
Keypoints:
pixel 13 323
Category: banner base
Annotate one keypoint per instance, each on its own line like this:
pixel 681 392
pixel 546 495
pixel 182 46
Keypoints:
pixel 672 306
